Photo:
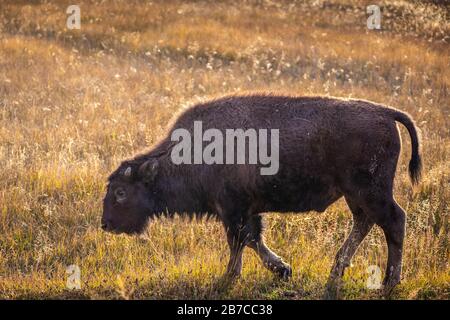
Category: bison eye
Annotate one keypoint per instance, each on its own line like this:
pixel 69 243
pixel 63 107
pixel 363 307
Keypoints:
pixel 120 195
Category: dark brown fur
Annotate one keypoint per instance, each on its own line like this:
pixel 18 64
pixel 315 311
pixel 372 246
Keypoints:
pixel 329 148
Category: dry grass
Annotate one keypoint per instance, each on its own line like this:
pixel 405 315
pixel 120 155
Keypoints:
pixel 73 104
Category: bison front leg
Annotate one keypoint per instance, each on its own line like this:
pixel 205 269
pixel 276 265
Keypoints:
pixel 270 260
pixel 237 239
pixel 247 232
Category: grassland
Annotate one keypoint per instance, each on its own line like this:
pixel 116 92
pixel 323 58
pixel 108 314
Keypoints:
pixel 74 103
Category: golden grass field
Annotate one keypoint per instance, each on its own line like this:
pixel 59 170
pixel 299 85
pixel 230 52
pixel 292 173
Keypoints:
pixel 75 103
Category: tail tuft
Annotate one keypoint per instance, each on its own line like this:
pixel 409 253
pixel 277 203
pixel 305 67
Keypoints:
pixel 415 169
pixel 415 164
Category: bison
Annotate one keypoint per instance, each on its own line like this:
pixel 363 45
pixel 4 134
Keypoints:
pixel 328 148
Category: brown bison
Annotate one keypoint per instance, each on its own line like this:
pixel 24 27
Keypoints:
pixel 327 148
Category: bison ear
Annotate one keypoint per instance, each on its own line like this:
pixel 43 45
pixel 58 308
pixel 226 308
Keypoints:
pixel 148 170
pixel 127 172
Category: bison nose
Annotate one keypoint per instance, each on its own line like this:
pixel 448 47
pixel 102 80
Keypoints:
pixel 104 226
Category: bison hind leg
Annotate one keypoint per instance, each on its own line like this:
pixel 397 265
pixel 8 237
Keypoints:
pixel 391 218
pixel 362 225
pixel 394 232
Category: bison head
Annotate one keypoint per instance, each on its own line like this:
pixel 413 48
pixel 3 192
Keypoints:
pixel 131 198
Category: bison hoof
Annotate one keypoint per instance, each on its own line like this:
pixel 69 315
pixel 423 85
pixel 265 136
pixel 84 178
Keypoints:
pixel 332 290
pixel 281 270
pixel 388 287
pixel 232 275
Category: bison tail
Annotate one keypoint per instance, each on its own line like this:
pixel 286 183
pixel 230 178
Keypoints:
pixel 415 164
